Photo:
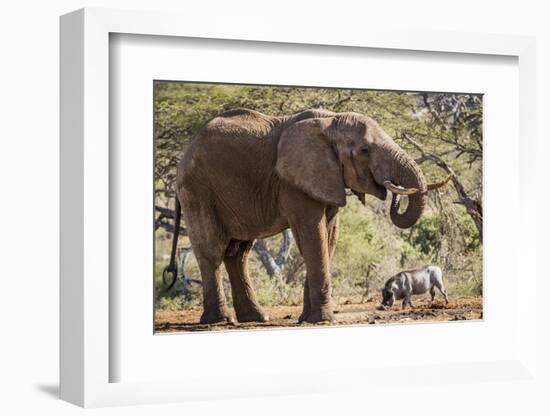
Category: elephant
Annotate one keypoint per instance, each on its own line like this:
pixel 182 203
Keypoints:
pixel 247 175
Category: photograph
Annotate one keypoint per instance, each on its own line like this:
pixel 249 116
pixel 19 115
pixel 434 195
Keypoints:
pixel 304 207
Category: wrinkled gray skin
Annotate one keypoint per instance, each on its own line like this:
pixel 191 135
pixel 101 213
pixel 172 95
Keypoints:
pixel 413 282
pixel 247 175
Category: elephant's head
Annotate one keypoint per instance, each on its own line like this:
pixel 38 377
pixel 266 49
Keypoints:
pixel 323 156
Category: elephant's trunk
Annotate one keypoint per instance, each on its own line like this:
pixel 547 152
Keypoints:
pixel 407 174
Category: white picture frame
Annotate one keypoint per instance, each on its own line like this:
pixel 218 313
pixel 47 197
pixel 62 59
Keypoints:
pixel 85 213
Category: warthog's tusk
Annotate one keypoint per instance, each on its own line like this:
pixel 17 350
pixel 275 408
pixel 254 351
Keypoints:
pixel 433 186
pixel 399 190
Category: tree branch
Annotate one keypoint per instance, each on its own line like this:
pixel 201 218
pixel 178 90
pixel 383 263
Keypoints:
pixel 274 265
pixel 167 213
pixel 472 205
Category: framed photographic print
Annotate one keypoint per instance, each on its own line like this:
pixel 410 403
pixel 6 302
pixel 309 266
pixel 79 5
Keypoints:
pixel 290 208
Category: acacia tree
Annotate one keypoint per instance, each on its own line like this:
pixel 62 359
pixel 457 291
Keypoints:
pixel 442 130
pixel 456 119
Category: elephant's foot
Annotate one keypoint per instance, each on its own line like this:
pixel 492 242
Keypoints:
pixel 303 317
pixel 251 315
pixel 216 317
pixel 317 315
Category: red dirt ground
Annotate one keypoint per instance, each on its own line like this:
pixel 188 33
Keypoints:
pixel 458 309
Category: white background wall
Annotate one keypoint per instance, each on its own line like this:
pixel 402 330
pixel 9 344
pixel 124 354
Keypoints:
pixel 29 82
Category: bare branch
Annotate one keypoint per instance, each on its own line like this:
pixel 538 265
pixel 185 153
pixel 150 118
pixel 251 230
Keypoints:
pixel 274 265
pixel 161 223
pixel 472 205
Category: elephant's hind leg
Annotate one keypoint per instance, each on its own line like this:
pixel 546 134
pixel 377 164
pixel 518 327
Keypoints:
pixel 215 308
pixel 246 306
pixel 209 245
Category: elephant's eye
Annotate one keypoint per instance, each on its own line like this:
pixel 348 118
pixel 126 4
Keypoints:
pixel 364 151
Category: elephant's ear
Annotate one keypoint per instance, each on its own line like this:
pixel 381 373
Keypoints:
pixel 306 160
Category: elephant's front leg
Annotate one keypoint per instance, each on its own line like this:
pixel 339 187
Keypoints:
pixel 306 310
pixel 309 225
pixel 318 287
pixel 333 223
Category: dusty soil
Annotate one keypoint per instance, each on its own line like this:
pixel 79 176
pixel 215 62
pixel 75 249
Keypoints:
pixel 458 309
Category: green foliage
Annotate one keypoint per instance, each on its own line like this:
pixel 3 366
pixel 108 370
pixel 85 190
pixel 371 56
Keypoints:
pixel 370 248
pixel 426 236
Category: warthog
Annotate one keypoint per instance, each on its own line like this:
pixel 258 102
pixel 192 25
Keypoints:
pixel 413 282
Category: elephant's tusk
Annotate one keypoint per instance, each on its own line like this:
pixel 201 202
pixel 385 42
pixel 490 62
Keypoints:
pixel 433 186
pixel 399 190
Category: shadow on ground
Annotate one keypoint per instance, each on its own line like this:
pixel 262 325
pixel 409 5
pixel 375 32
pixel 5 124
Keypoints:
pixel 51 390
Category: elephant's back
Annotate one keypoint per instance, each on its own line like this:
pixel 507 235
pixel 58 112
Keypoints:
pixel 233 146
pixel 239 124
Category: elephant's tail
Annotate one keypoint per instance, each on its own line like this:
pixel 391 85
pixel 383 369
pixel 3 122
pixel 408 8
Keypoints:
pixel 172 268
